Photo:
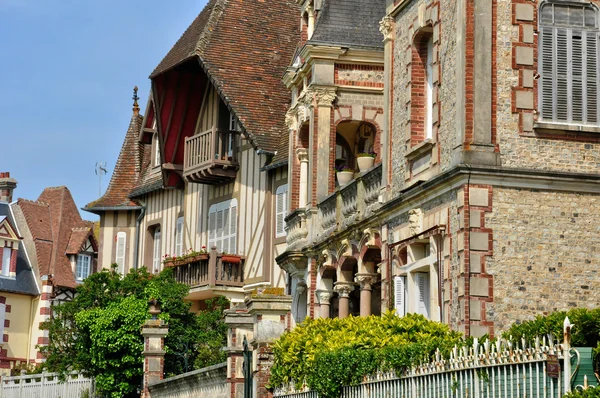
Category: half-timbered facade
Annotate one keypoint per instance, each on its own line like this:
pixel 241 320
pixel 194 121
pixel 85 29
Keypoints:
pixel 204 171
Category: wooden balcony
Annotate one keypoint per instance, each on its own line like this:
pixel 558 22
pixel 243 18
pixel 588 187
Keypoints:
pixel 211 157
pixel 210 271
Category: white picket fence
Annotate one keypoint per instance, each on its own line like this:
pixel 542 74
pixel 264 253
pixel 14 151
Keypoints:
pixel 500 370
pixel 46 385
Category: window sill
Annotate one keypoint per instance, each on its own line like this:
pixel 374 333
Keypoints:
pixel 552 127
pixel 8 277
pixel 420 149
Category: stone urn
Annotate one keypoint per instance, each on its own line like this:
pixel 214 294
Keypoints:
pixel 344 177
pixel 365 162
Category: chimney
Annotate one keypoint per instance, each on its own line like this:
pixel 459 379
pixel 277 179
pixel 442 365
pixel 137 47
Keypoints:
pixel 7 186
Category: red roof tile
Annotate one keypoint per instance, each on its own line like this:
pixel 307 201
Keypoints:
pixel 77 239
pixel 245 47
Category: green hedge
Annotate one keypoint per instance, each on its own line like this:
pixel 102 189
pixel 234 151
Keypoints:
pixel 329 353
pixel 589 393
pixel 586 332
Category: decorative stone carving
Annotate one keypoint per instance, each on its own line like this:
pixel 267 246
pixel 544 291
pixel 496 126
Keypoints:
pixel 325 96
pixel 369 237
pixel 324 296
pixel 302 154
pixel 290 118
pixel 343 289
pixel 365 280
pixel 345 249
pixel 415 221
pixel 386 27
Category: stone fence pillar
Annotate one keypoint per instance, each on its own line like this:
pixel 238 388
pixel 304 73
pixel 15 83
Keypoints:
pixel 239 325
pixel 154 332
pixel 269 317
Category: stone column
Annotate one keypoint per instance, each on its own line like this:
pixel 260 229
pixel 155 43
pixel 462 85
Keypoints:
pixel 386 27
pixel 324 302
pixel 365 281
pixel 154 332
pixel 344 289
pixel 269 315
pixel 303 189
pixel 324 97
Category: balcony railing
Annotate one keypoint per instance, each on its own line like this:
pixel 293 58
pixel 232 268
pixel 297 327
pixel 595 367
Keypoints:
pixel 210 270
pixel 210 157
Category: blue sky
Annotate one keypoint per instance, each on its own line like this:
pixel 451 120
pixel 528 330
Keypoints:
pixel 67 71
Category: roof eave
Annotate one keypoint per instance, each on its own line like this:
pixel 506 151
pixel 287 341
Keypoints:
pixel 100 209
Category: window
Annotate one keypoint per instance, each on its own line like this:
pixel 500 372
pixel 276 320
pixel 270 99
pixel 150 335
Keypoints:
pixel 6 254
pixel 281 209
pixel 156 150
pixel 156 254
pixel 82 269
pixel 569 63
pixel 120 252
pixel 222 226
pixel 179 237
pixel 422 293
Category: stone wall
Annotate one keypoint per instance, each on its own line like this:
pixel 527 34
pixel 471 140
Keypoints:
pixel 208 382
pixel 546 253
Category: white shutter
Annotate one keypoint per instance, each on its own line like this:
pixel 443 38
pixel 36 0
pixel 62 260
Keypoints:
pixel 225 239
pixel 562 76
pixel 233 228
pixel 219 231
pixel 592 65
pixel 547 73
pixel 157 253
pixel 2 318
pixel 400 295
pixel 281 210
pixel 212 229
pixel 120 252
pixel 423 293
pixel 179 237
pixel 6 254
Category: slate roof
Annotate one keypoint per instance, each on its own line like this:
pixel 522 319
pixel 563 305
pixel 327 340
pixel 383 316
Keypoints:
pixel 127 173
pixel 52 220
pixel 350 23
pixel 24 282
pixel 244 47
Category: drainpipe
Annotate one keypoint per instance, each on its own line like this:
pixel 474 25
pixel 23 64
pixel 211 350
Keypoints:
pixel 138 221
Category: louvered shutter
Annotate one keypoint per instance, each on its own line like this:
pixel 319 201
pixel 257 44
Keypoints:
pixel 120 252
pixel 281 210
pixel 562 76
pixel 400 295
pixel 591 79
pixel 233 229
pixel 157 244
pixel 212 229
pixel 547 75
pixel 2 320
pixel 225 238
pixel 423 293
pixel 219 229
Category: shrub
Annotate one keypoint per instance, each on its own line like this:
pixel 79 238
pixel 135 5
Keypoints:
pixel 320 352
pixel 586 332
pixel 589 393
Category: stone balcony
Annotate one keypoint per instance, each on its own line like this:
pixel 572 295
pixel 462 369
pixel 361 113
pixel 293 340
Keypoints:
pixel 344 208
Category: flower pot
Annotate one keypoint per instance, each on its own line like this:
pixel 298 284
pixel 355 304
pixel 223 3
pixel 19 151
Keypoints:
pixel 365 162
pixel 344 177
pixel 231 259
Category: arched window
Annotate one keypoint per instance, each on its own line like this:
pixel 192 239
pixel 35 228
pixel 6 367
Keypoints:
pixel 568 63
pixel 343 153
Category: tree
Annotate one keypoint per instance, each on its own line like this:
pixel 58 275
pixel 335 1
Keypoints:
pixel 98 333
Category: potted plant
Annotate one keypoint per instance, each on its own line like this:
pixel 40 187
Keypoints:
pixel 344 175
pixel 365 160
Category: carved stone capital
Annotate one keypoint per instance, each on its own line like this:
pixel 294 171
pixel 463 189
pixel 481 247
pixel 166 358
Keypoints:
pixel 290 118
pixel 386 27
pixel 302 154
pixel 365 280
pixel 325 96
pixel 344 289
pixel 324 296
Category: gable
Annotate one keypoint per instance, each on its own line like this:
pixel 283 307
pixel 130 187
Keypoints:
pixel 7 231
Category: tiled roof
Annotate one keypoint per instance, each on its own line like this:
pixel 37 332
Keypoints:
pixel 77 239
pixel 52 220
pixel 244 46
pixel 24 282
pixel 352 23
pixel 126 174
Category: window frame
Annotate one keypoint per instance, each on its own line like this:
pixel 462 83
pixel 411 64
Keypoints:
pixel 156 249
pixel 227 207
pixel 179 237
pixel 79 270
pixel 5 271
pixel 551 34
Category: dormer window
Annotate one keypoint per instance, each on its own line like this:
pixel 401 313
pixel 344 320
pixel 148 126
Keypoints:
pixel 6 255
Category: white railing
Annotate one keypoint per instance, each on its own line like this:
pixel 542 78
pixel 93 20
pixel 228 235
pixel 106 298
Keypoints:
pixel 46 385
pixel 499 370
